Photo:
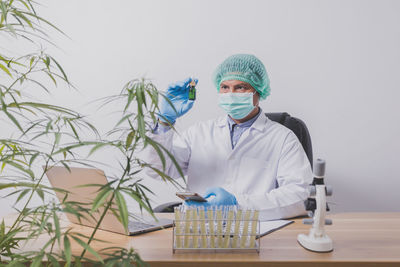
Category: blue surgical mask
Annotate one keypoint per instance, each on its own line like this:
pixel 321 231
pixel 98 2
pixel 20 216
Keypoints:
pixel 237 105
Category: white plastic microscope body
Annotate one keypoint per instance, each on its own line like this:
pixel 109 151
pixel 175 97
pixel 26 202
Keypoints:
pixel 317 240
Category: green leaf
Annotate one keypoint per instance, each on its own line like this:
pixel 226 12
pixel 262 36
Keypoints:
pixel 124 118
pixel 176 164
pixel 31 61
pixel 23 193
pixel 40 84
pixel 101 198
pixel 41 19
pixel 73 129
pixel 140 202
pixel 57 137
pixel 5 70
pixel 61 69
pixel 25 4
pixel 34 156
pixel 158 150
pixel 8 185
pixel 40 193
pixel 96 147
pixel 129 139
pixel 37 261
pixel 20 15
pixel 3 11
pixel 143 95
pixel 66 165
pixel 10 116
pixel 51 76
pixel 123 210
pixel 77 262
pixel 47 61
pixel 2 228
pixel 53 260
pixel 20 167
pixel 141 126
pixel 69 148
pixel 57 226
pixel 11 28
pixel 165 177
pixel 88 248
pixel 67 251
pixel 130 99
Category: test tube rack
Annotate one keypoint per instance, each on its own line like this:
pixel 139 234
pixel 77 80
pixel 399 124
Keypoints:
pixel 222 229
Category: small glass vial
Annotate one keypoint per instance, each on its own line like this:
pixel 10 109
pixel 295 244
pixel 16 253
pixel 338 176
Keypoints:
pixel 192 90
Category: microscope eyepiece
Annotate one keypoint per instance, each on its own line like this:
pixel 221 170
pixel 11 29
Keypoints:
pixel 319 171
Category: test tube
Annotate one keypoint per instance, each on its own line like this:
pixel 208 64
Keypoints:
pixel 210 216
pixel 203 227
pixel 187 227
pixel 219 226
pixel 195 229
pixel 228 227
pixel 237 228
pixel 178 237
pixel 243 239
pixel 254 228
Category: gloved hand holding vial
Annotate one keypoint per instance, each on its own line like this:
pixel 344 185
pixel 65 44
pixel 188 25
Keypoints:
pixel 177 100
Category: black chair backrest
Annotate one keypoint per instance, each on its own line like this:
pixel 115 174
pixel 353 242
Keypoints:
pixel 298 127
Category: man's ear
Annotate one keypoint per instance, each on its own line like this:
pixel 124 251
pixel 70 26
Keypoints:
pixel 257 99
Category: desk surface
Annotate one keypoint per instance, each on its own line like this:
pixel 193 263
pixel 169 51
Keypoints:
pixel 360 239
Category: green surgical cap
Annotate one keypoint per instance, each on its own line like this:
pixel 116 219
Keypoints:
pixel 245 68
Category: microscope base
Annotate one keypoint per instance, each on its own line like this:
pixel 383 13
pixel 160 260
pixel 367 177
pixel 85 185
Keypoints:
pixel 316 244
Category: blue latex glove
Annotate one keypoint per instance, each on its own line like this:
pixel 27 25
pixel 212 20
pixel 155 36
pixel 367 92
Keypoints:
pixel 221 198
pixel 178 94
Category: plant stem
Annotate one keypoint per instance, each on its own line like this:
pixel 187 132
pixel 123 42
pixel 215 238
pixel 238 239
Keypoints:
pixel 19 78
pixel 16 222
pixel 102 215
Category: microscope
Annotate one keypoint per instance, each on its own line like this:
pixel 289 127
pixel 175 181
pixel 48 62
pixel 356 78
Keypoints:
pixel 317 240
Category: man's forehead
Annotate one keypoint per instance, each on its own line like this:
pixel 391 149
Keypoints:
pixel 234 82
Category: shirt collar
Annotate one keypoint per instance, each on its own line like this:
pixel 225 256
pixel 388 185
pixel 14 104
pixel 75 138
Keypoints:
pixel 260 121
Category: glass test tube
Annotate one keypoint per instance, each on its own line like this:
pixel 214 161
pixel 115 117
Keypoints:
pixel 187 227
pixel 195 229
pixel 203 228
pixel 254 228
pixel 228 227
pixel 237 228
pixel 219 226
pixel 211 226
pixel 243 239
pixel 178 237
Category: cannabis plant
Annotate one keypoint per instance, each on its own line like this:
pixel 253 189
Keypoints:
pixel 34 136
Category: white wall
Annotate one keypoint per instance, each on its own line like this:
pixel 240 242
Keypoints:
pixel 334 64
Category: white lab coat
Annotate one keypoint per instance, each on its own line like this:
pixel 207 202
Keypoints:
pixel 267 170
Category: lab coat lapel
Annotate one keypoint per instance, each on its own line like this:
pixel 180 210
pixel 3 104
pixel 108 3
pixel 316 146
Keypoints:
pixel 259 124
pixel 226 134
pixel 242 140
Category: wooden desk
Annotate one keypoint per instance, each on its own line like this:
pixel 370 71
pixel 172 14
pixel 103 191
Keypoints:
pixel 360 239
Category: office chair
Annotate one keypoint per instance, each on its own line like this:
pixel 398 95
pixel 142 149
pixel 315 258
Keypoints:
pixel 294 124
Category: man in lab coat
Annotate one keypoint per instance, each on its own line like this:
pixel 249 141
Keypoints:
pixel 242 158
